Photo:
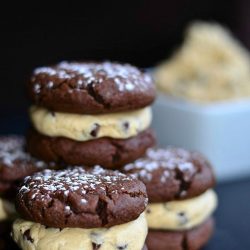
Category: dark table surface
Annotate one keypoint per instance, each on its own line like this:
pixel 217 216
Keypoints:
pixel 232 216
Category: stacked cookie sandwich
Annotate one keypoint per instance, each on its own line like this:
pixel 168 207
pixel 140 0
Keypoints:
pixel 93 119
pixel 94 116
pixel 90 113
pixel 181 200
pixel 81 208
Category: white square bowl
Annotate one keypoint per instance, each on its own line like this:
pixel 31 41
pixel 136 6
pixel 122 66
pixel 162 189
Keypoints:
pixel 220 131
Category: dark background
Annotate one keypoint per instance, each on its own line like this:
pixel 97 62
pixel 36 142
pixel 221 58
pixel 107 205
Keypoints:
pixel 139 32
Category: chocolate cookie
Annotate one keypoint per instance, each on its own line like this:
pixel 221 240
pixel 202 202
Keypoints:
pixel 107 152
pixel 81 197
pixel 91 88
pixel 172 174
pixel 192 239
pixel 15 163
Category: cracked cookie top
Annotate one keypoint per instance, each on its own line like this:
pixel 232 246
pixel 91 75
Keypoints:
pixel 81 197
pixel 172 173
pixel 91 88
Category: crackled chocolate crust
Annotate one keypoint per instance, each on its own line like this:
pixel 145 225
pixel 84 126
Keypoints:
pixel 83 198
pixel 107 152
pixel 15 162
pixel 192 239
pixel 91 88
pixel 172 173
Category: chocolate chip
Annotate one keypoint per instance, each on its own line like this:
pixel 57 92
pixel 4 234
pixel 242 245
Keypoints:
pixel 122 247
pixel 166 206
pixel 148 211
pixel 53 113
pixel 94 234
pixel 96 246
pixel 182 218
pixel 95 130
pixel 183 193
pixel 126 125
pixel 27 236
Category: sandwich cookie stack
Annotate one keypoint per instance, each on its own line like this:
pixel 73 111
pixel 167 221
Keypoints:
pixel 86 114
pixel 15 164
pixel 80 208
pixel 181 200
pixel 90 114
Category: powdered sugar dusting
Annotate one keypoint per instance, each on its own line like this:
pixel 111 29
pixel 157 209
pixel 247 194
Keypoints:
pixel 12 151
pixel 73 180
pixel 125 76
pixel 167 159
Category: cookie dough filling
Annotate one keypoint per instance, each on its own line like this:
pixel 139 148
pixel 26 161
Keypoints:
pixel 7 209
pixel 128 236
pixel 182 214
pixel 86 127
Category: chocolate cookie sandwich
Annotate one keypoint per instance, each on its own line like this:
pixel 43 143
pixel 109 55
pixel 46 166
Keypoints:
pixel 181 200
pixel 90 113
pixel 80 208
